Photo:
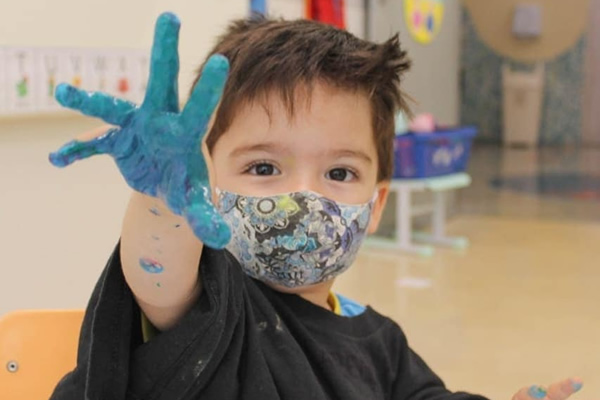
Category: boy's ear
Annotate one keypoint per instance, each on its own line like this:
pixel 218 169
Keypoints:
pixel 383 190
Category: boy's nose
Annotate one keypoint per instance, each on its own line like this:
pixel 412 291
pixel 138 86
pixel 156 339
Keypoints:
pixel 306 182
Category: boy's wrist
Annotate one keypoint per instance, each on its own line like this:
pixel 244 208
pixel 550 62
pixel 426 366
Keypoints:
pixel 153 205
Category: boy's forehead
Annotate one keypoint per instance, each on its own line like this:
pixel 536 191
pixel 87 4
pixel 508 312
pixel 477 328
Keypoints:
pixel 319 118
pixel 301 100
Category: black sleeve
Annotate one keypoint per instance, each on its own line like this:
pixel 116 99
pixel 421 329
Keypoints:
pixel 416 381
pixel 113 363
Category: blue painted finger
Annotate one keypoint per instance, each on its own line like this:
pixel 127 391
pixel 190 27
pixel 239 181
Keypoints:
pixel 162 93
pixel 208 225
pixel 205 220
pixel 112 110
pixel 77 150
pixel 564 389
pixel 187 183
pixel 206 95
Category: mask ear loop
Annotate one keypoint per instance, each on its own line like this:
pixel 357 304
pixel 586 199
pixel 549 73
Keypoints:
pixel 375 196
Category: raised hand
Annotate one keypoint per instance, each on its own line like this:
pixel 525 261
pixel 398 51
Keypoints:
pixel 156 147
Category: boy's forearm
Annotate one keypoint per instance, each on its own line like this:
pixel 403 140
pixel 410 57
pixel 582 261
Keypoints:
pixel 159 255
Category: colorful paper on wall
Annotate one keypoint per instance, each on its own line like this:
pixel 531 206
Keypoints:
pixel 121 73
pixel 50 72
pixel 141 70
pixel 29 76
pixel 327 11
pixel 21 80
pixel 424 19
pixel 3 87
pixel 76 73
pixel 98 65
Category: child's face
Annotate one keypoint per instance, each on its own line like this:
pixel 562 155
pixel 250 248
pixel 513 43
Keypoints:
pixel 327 147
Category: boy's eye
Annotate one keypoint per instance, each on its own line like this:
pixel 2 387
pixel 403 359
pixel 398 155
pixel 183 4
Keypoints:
pixel 340 174
pixel 263 169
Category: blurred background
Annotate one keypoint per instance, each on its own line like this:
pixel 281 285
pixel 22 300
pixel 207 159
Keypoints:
pixel 515 304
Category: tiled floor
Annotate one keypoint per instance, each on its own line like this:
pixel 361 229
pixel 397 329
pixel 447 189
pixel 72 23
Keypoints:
pixel 489 163
pixel 521 305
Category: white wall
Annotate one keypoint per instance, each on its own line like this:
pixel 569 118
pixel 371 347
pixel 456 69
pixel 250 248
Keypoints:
pixel 433 80
pixel 57 227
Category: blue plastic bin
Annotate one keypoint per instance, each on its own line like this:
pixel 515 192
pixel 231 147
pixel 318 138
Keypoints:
pixel 423 155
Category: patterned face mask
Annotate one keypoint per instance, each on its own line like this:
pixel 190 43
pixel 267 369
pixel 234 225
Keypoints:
pixel 294 239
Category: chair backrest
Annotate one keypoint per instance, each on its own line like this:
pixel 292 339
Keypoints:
pixel 37 348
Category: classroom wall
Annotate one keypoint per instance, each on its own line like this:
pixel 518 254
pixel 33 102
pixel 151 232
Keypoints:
pixel 58 226
pixel 433 80
pixel 110 23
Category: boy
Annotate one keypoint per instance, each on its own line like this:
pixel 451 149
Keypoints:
pixel 299 159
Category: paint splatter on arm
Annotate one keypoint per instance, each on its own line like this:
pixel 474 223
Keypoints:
pixel 151 266
pixel 155 211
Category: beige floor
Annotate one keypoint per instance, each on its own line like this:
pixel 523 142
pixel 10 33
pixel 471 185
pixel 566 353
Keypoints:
pixel 520 306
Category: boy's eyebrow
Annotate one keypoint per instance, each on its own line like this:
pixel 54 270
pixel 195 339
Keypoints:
pixel 267 147
pixel 352 153
pixel 274 148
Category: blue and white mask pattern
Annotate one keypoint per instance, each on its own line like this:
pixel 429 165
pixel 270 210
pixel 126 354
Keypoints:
pixel 294 239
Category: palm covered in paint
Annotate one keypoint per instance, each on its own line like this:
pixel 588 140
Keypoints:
pixel 156 147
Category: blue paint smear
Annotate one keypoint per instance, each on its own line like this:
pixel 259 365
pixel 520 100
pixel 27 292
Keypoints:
pixel 151 266
pixel 156 146
pixel 537 392
pixel 155 211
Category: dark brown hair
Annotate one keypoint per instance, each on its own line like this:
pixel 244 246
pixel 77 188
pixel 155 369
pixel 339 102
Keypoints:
pixel 275 56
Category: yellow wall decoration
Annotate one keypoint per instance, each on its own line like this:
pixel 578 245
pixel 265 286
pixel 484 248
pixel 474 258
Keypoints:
pixel 423 18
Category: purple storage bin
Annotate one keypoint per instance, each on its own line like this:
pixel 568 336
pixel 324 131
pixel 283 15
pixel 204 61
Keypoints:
pixel 423 155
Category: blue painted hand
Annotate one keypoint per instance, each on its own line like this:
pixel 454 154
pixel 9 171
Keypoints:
pixel 561 390
pixel 156 147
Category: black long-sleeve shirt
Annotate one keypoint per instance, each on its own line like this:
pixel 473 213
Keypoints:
pixel 242 340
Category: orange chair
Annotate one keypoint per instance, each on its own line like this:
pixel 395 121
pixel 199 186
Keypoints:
pixel 37 348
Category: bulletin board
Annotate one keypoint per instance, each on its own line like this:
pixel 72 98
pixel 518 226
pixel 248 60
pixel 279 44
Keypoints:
pixel 28 75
